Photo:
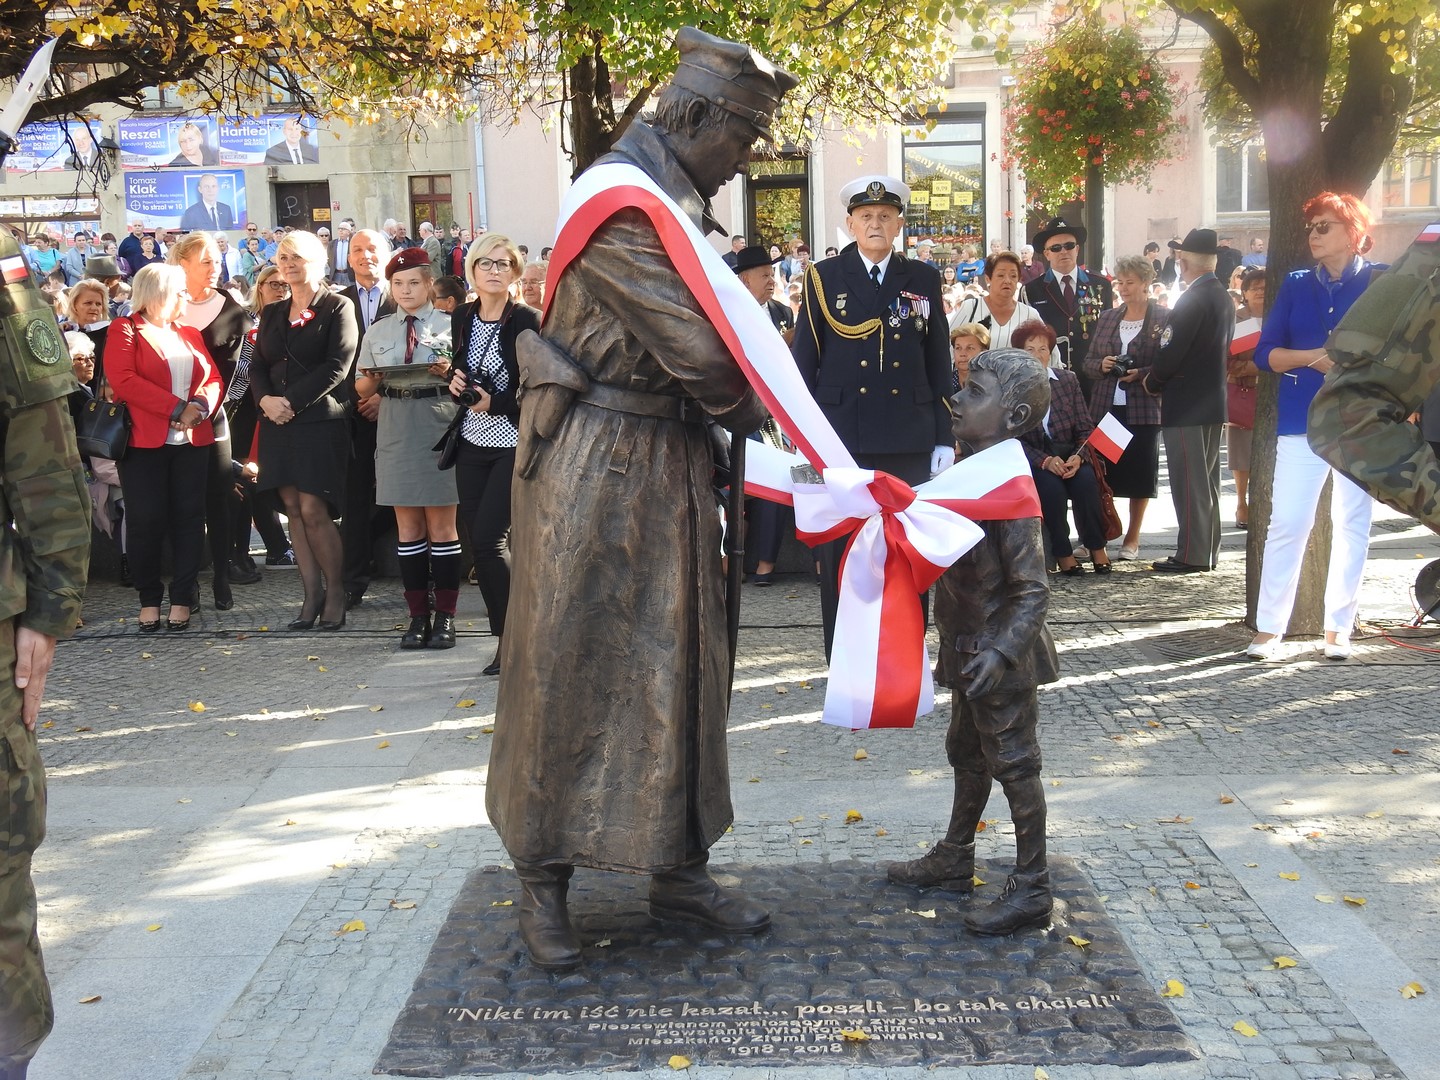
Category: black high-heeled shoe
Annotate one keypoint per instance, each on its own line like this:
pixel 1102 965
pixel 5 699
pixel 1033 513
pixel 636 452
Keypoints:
pixel 224 598
pixel 151 627
pixel 331 624
pixel 302 623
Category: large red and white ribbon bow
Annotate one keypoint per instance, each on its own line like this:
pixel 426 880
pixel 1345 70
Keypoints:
pixel 904 539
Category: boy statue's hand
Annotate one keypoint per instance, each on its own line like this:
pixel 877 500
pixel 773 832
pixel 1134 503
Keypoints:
pixel 984 672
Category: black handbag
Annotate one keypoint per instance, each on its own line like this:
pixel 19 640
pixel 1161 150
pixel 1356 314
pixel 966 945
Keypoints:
pixel 449 445
pixel 103 429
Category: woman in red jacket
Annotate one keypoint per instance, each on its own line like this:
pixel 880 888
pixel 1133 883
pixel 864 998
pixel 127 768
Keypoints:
pixel 163 373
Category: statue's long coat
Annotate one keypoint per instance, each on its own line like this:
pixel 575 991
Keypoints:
pixel 609 745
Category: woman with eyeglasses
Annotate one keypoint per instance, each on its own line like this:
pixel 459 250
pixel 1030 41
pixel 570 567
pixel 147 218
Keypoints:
pixel 1292 345
pixel 484 333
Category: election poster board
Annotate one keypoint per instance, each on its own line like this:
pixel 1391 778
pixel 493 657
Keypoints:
pixel 202 142
pixel 43 147
pixel 174 199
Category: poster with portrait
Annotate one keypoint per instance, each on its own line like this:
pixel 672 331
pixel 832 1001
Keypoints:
pixel 290 140
pixel 211 199
pixel 163 142
pixel 40 148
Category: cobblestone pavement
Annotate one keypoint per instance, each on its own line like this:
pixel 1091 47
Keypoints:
pixel 224 802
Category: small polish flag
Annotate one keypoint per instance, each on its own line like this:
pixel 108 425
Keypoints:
pixel 1110 437
pixel 1429 235
pixel 1247 336
pixel 14 269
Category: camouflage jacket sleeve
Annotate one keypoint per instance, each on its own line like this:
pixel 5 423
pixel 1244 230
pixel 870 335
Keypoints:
pixel 46 510
pixel 1386 354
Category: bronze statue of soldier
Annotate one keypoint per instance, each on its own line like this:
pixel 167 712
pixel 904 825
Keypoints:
pixel 609 744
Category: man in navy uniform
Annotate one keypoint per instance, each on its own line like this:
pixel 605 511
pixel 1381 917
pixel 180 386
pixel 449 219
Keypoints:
pixel 1189 370
pixel 1067 297
pixel 872 344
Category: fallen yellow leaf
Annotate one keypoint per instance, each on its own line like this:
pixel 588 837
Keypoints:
pixel 153 927
pixel 854 1035
pixel 604 943
pixel 197 706
pixel 487 730
pixel 797 820
pixel 679 1061
pixel 882 832
pixel 1358 901
pixel 1376 814
pixel 1283 962
pixel 231 734
pixel 852 816
pixel 402 905
pixel 312 658
pixel 1289 875
pixel 1041 1074
pixel 1400 753
pixel 288 821
pixel 1192 885
pixel 1411 990
pixel 377 708
pixel 465 703
pixel 1173 988
pixel 861 755
pixel 1316 835
pixel 321 667
pixel 1078 941
pixel 916 772
pixel 502 903
pixel 1325 898
pixel 1245 1029
pixel 472 736
pixel 804 842
pixel 976 881
pixel 1153 723
pixel 340 865
pixel 48 724
pixel 1176 820
pixel 90 999
pixel 352 926
pixel 1226 800
pixel 929 913
pixel 754 780
pixel 382 744
pixel 1054 783
pixel 1252 865
pixel 147 656
pixel 432 844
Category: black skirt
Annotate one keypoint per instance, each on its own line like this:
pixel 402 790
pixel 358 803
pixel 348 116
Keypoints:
pixel 1137 474
pixel 310 457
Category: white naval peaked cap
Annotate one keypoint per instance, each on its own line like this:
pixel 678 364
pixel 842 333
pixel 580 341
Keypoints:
pixel 875 191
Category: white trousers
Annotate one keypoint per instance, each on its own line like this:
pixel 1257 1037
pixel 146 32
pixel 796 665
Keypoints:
pixel 1299 476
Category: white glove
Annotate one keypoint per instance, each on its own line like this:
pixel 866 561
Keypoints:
pixel 941 459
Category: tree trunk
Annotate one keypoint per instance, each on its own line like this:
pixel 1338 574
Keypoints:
pixel 591 109
pixel 1094 253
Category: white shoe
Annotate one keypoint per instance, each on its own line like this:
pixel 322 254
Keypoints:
pixel 1339 649
pixel 1128 553
pixel 1264 650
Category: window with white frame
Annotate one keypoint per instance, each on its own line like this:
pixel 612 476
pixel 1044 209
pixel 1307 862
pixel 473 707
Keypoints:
pixel 1241 186
pixel 1411 180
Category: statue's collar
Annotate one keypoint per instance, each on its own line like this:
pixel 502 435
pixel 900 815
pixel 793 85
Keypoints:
pixel 647 149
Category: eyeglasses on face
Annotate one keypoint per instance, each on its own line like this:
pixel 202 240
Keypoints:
pixel 1321 228
pixel 1069 245
pixel 493 264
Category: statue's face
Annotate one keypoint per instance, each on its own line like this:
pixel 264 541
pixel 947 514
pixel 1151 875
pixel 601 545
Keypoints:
pixel 977 413
pixel 716 152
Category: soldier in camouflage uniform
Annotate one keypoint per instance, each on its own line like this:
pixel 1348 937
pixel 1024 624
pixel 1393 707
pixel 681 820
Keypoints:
pixel 1386 352
pixel 44 555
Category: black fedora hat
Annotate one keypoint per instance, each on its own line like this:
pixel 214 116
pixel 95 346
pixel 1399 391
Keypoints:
pixel 1197 242
pixel 751 257
pixel 1055 227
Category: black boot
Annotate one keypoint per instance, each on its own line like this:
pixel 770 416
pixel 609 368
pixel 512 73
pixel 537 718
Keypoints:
pixel 1026 901
pixel 418 636
pixel 442 633
pixel 220 587
pixel 493 667
pixel 689 894
pixel 544 920
pixel 950 864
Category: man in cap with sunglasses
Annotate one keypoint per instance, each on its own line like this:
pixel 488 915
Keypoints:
pixel 1067 296
pixel 873 346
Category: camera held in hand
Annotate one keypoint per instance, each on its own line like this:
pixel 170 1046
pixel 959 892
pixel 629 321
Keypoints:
pixel 1124 364
pixel 474 384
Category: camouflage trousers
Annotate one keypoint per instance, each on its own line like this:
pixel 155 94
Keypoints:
pixel 26 1012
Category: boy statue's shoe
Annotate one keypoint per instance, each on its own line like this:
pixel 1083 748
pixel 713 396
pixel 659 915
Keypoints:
pixel 946 866
pixel 1025 903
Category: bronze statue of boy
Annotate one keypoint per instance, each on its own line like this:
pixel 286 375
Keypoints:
pixel 994 651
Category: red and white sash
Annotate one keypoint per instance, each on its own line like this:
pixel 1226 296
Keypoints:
pixel 904 538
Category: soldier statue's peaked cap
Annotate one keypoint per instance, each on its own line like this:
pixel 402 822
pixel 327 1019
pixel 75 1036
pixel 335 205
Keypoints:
pixel 732 75
pixel 875 191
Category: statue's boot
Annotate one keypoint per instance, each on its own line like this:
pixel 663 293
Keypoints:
pixel 1025 901
pixel 689 894
pixel 544 921
pixel 950 864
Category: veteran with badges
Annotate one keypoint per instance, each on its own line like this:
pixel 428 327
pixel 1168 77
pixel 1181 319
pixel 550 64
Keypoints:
pixel 405 358
pixel 872 343
pixel 1067 297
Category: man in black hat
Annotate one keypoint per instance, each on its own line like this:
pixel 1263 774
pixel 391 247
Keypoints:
pixel 1067 297
pixel 874 348
pixel 756 271
pixel 1189 370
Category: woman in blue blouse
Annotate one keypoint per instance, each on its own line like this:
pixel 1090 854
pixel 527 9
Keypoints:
pixel 1292 345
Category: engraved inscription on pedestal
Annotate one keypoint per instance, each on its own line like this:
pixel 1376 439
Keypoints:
pixel 854 971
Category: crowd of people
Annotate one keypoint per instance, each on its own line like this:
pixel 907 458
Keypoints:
pixel 326 411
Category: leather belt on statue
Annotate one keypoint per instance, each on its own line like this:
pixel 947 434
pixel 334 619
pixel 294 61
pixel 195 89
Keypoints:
pixel 640 403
